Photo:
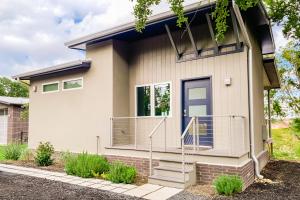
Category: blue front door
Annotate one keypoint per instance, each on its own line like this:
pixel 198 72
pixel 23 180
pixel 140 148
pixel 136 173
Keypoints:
pixel 197 102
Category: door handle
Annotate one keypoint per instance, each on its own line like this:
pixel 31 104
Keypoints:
pixel 184 112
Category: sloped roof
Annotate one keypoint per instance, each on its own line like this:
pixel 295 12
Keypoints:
pixel 13 100
pixel 57 69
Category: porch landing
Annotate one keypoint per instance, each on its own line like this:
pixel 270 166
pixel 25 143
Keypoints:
pixel 201 151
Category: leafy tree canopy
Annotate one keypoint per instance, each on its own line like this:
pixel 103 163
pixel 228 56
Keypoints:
pixel 12 88
pixel 284 12
pixel 289 71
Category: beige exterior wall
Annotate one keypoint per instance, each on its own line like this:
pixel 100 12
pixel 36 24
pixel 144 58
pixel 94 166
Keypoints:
pixel 153 61
pixel 71 120
pixel 258 81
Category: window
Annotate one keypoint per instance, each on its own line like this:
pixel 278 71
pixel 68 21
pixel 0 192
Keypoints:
pixel 143 101
pixel 73 84
pixel 50 87
pixel 153 100
pixel 162 99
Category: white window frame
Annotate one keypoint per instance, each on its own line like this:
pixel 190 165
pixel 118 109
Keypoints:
pixel 49 83
pixel 152 99
pixel 72 79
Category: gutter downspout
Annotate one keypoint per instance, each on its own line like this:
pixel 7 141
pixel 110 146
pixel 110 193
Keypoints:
pixel 250 56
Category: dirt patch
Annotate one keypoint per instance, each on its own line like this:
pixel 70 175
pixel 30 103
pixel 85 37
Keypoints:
pixel 13 187
pixel 203 190
pixel 56 167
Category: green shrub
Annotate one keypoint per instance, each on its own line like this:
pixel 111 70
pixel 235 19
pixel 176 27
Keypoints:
pixel 43 154
pixel 26 155
pixel 13 151
pixel 120 173
pixel 296 126
pixel 228 185
pixel 85 165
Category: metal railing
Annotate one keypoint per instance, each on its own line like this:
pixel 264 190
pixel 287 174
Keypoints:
pixel 223 133
pixel 153 132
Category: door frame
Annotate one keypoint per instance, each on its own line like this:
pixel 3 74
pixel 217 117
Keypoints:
pixel 182 97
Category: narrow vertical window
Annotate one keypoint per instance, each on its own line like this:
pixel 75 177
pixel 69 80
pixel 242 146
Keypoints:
pixel 162 99
pixel 143 101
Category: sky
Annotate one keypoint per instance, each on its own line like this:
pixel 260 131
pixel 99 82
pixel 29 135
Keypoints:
pixel 33 32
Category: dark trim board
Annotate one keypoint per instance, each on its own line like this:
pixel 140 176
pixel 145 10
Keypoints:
pixel 191 55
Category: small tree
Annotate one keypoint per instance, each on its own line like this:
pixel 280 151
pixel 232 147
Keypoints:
pixel 12 88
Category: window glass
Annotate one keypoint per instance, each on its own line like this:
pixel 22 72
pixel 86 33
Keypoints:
pixel 197 93
pixel 143 101
pixel 162 99
pixel 72 84
pixel 199 110
pixel 50 87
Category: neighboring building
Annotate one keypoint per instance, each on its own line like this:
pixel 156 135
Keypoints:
pixel 163 83
pixel 13 129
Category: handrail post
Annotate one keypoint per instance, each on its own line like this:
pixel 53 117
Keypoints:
pixel 183 159
pixel 150 161
pixel 111 131
pixel 165 126
pixel 135 134
pixel 194 134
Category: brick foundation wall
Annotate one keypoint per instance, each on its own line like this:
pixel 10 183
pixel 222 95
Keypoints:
pixel 141 164
pixel 17 128
pixel 206 173
pixel 263 159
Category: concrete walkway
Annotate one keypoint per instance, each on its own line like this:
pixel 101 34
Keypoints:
pixel 147 191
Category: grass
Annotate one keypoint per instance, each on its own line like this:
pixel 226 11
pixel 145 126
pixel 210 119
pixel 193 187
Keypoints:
pixel 286 144
pixel 2 150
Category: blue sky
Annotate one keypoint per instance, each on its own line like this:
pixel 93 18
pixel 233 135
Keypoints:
pixel 33 32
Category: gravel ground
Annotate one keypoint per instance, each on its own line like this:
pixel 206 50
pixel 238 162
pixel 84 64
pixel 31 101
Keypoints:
pixel 282 181
pixel 14 186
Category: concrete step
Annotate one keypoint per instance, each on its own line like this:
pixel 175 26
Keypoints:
pixel 168 163
pixel 173 172
pixel 167 181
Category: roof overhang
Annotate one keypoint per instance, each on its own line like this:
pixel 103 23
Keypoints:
pixel 271 71
pixel 13 100
pixel 127 32
pixel 62 69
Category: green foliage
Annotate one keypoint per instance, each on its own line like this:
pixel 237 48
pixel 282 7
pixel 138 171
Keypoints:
pixel 121 173
pixel 296 126
pixel 12 88
pixel 85 165
pixel 25 111
pixel 287 14
pixel 26 155
pixel 43 154
pixel 228 185
pixel 288 62
pixel 142 11
pixel 13 151
pixel 220 16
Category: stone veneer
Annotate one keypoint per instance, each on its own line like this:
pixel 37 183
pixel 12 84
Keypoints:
pixel 16 126
pixel 206 173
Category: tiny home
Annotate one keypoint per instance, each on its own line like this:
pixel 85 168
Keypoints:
pixel 180 106
pixel 13 129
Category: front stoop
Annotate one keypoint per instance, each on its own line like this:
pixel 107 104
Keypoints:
pixel 169 173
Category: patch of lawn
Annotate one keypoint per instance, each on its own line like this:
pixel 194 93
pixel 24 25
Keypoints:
pixel 286 144
pixel 2 152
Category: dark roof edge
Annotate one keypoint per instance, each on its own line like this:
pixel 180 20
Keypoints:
pixel 54 69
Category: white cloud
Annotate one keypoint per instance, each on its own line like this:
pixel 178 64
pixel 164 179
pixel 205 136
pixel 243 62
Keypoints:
pixel 33 32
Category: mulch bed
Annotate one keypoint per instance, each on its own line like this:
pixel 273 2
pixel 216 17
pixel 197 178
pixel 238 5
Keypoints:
pixel 281 181
pixel 13 187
